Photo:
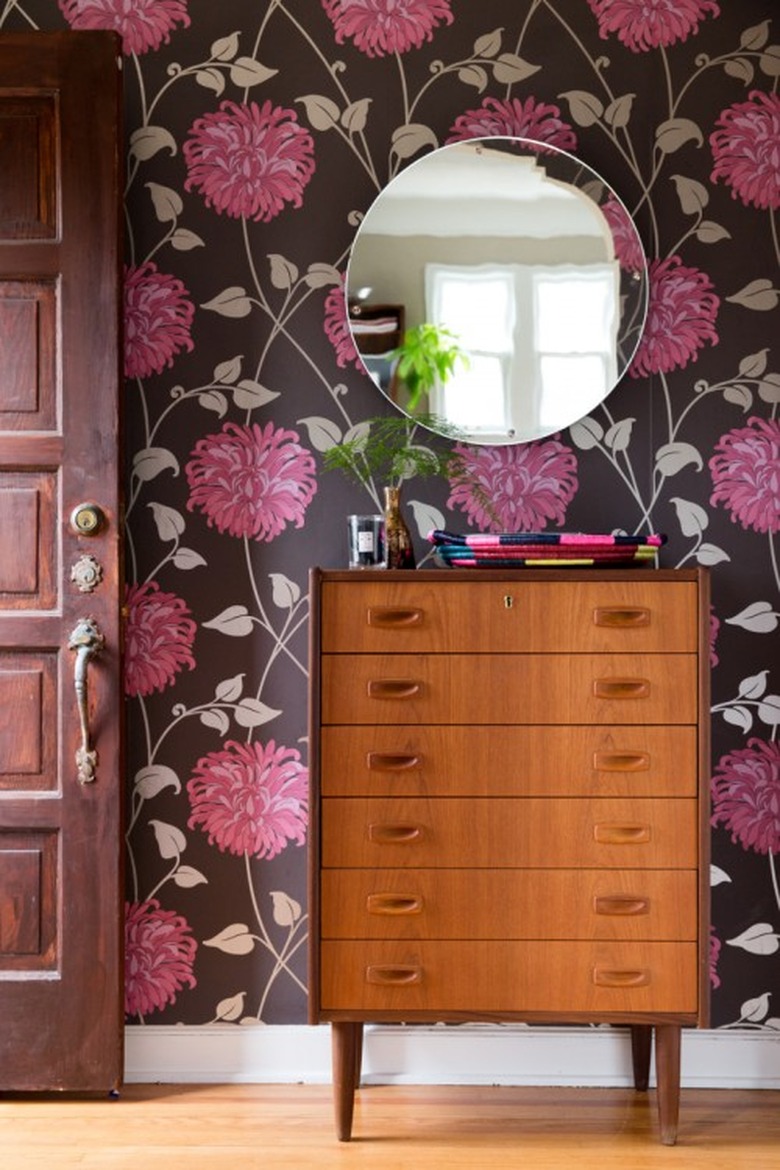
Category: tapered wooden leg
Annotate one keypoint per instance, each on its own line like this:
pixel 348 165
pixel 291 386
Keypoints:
pixel 346 1042
pixel 358 1055
pixel 667 1071
pixel 641 1048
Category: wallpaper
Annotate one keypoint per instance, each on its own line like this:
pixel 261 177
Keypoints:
pixel 257 134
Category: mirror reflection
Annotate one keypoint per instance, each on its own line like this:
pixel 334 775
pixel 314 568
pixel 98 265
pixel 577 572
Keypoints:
pixel 517 280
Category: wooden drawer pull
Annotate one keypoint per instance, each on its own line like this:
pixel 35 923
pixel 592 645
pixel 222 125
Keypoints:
pixel 388 617
pixel 609 977
pixel 391 762
pixel 618 905
pixel 394 904
pixel 621 688
pixel 622 617
pixel 393 688
pixel 394 834
pixel 621 761
pixel 387 976
pixel 621 834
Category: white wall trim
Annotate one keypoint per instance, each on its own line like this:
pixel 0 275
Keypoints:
pixel 466 1054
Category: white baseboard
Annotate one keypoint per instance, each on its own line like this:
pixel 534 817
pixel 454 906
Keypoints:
pixel 467 1054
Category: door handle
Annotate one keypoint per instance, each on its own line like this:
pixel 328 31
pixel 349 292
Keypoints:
pixel 87 640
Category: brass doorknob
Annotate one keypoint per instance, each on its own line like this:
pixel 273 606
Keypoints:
pixel 87 519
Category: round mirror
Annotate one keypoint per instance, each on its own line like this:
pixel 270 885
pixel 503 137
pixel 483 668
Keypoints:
pixel 497 290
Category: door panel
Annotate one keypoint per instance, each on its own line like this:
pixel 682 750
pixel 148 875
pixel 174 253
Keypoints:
pixel 60 829
pixel 27 354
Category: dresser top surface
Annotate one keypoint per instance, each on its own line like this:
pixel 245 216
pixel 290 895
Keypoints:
pixel 517 576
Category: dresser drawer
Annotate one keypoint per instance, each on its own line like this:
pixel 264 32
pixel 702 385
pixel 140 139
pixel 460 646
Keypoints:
pixel 533 833
pixel 508 904
pixel 517 615
pixel 456 760
pixel 509 688
pixel 602 978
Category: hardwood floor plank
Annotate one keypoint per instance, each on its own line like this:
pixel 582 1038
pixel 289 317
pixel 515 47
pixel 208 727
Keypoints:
pixel 275 1127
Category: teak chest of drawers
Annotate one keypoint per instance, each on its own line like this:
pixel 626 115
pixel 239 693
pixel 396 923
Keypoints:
pixel 509 805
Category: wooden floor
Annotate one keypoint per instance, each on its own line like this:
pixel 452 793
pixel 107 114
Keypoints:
pixel 262 1127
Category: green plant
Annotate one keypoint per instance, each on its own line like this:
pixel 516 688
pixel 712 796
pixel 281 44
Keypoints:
pixel 385 449
pixel 427 355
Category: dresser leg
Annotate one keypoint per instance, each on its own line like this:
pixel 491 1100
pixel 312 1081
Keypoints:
pixel 358 1055
pixel 641 1047
pixel 346 1044
pixel 667 1071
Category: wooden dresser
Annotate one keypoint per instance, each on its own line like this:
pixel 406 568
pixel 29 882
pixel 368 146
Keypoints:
pixel 509 805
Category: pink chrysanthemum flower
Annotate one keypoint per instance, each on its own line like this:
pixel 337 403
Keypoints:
pixel 159 955
pixel 157 317
pixel 518 488
pixel 380 27
pixel 714 631
pixel 681 318
pixel 651 24
pixel 158 639
pixel 628 246
pixel 250 799
pixel 142 24
pixel 540 121
pixel 746 474
pixel 250 481
pixel 248 161
pixel 746 795
pixel 715 946
pixel 337 328
pixel 746 150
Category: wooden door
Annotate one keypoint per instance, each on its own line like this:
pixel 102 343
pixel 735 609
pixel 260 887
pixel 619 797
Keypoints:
pixel 60 872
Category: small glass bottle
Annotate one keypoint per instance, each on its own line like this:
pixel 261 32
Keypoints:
pixel 399 550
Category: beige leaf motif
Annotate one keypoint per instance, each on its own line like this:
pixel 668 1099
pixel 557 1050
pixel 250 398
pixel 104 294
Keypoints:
pixel 692 194
pixel 474 75
pixel 510 68
pixel 585 108
pixel 410 138
pixel 489 44
pixel 769 61
pixel 355 116
pixel 321 111
pixel 759 294
pixel 618 113
pixel 671 135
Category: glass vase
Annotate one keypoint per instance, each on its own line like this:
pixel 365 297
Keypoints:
pixel 399 550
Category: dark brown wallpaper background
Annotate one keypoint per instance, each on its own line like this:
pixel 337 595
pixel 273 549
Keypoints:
pixel 256 134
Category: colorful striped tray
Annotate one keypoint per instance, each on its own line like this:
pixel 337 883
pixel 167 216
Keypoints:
pixel 543 550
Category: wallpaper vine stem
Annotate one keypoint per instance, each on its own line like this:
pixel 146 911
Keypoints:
pixel 257 134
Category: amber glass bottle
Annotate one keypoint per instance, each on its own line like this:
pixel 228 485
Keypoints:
pixel 398 540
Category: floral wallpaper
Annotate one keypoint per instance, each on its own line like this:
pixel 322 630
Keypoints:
pixel 256 136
